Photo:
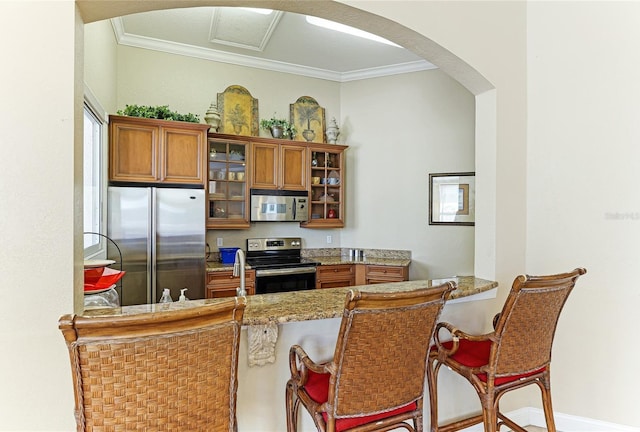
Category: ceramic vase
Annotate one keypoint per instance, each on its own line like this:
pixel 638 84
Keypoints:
pixel 332 131
pixel 212 117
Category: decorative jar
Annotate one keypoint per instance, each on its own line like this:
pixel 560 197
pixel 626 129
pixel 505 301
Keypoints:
pixel 332 131
pixel 212 117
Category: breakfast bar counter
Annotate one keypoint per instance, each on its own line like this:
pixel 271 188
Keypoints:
pixel 274 322
pixel 304 305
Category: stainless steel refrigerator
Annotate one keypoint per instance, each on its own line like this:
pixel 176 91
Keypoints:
pixel 161 236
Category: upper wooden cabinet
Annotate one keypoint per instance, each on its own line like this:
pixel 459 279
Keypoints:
pixel 157 151
pixel 278 166
pixel 290 165
pixel 326 174
pixel 227 190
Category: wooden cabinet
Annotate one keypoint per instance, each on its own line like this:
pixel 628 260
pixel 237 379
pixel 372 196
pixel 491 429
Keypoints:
pixel 326 173
pixel 157 151
pixel 227 188
pixel 275 164
pixel 335 276
pixel 224 284
pixel 278 166
pixel 374 274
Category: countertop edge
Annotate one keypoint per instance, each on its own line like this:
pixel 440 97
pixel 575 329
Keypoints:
pixel 304 305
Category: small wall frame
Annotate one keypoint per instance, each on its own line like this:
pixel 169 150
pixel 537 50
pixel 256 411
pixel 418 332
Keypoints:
pixel 452 198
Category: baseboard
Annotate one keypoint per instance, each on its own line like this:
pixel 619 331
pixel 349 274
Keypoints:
pixel 564 422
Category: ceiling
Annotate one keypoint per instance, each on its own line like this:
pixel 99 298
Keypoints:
pixel 279 41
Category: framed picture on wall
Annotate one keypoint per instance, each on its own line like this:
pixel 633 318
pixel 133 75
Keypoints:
pixel 452 198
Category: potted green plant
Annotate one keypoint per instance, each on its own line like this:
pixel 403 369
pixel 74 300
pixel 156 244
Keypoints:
pixel 161 112
pixel 278 127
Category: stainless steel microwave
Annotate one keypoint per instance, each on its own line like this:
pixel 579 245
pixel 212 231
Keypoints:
pixel 279 206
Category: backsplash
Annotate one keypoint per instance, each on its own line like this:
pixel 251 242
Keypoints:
pixel 344 252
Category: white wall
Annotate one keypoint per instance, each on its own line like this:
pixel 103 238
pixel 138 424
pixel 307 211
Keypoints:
pixel 399 129
pixel 582 195
pixel 100 63
pixel 39 169
pixel 190 84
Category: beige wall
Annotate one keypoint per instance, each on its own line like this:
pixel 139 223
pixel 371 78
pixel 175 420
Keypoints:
pixel 562 120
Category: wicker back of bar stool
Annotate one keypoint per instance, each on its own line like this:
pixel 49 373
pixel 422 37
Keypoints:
pixel 377 375
pixel 162 371
pixel 516 354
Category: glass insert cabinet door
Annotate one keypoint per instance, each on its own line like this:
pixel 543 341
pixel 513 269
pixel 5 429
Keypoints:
pixel 327 189
pixel 227 186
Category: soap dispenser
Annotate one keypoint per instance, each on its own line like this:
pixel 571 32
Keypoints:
pixel 166 296
pixel 182 296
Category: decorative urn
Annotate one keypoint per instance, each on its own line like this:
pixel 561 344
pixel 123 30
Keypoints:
pixel 332 131
pixel 212 117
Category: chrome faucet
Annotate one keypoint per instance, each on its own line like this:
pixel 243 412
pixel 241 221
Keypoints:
pixel 238 270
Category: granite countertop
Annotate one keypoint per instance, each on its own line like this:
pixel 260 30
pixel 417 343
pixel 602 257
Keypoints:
pixel 333 260
pixel 218 267
pixel 304 305
pixel 333 256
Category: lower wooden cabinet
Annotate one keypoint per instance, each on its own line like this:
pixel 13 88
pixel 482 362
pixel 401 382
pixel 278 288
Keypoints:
pixel 335 276
pixel 374 274
pixel 224 284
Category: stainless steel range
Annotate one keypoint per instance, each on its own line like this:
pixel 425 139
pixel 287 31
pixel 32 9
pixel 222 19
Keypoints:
pixel 279 266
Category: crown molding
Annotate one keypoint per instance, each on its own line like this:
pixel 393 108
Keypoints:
pixel 144 42
pixel 382 71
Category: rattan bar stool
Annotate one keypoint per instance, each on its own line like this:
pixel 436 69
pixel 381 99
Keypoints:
pixel 516 354
pixel 375 381
pixel 162 371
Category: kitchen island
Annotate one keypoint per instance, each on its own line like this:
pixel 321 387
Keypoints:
pixel 274 322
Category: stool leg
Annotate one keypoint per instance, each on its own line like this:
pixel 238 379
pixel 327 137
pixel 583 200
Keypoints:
pixel 433 366
pixel 489 414
pixel 545 388
pixel 292 403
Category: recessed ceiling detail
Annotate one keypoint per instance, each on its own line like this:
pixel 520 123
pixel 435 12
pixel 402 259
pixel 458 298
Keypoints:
pixel 241 28
pixel 279 42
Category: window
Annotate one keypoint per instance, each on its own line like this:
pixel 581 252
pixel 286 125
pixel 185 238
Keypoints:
pixel 93 177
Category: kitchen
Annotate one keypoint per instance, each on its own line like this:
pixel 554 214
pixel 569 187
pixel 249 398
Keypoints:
pixel 156 228
pixel 377 194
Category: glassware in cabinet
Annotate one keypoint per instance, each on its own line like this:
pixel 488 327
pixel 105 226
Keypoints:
pixel 327 189
pixel 227 185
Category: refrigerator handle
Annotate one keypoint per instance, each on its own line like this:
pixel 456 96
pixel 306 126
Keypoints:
pixel 151 247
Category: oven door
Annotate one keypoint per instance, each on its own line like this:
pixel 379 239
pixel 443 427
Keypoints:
pixel 285 279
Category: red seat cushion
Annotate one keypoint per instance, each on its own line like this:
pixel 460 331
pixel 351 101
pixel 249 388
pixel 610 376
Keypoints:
pixel 476 354
pixel 317 387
